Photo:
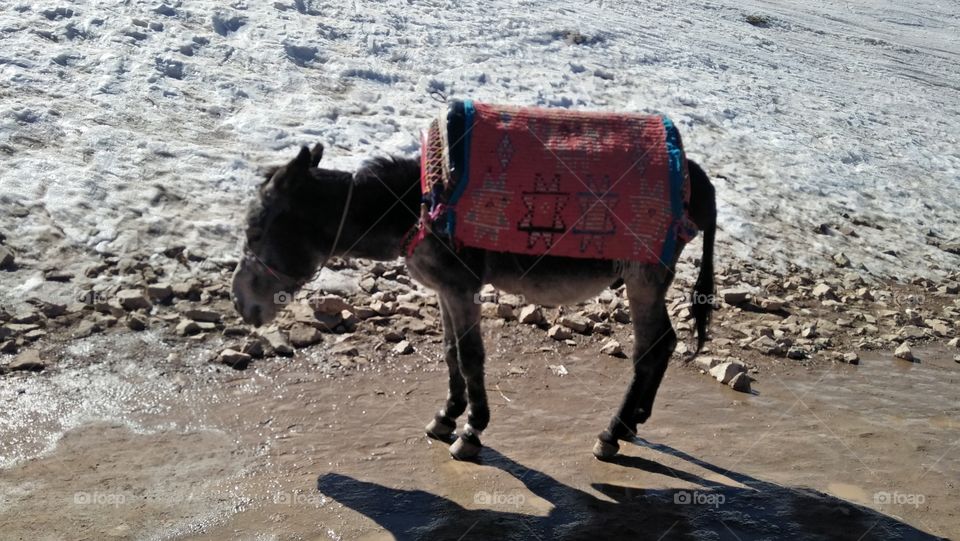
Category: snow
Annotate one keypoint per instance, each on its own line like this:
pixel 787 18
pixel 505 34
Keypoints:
pixel 136 126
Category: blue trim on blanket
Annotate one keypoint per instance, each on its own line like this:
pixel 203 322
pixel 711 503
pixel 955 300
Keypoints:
pixel 468 111
pixel 675 164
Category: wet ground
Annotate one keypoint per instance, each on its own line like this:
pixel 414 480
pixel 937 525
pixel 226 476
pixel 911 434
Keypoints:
pixel 147 448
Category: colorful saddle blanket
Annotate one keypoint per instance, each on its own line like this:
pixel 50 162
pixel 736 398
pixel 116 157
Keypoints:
pixel 553 181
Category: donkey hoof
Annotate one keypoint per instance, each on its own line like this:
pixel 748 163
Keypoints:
pixel 463 449
pixel 440 430
pixel 605 451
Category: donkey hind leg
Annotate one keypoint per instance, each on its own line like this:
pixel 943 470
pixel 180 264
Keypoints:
pixel 464 315
pixel 653 343
pixel 445 421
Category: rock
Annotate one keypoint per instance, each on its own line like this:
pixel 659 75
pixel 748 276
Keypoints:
pixel 603 328
pixel 939 327
pixel 797 353
pixel 724 372
pixel 160 293
pixel 7 259
pixel 392 335
pixel 235 330
pixel 403 347
pixel 9 346
pixel 823 291
pixel 347 350
pixel 740 382
pixel 85 328
pixel 531 314
pixel 330 305
pixel 51 310
pixel 912 331
pixel 348 320
pixel 277 343
pixel 505 312
pixel 576 323
pixel 368 284
pixel 189 290
pixel 200 314
pixel 621 316
pixel 302 335
pixel 851 358
pixel 767 346
pixel 559 333
pixel 955 343
pixel 558 370
pixel 772 304
pixel 133 299
pixel 841 260
pixel 56 275
pixel 254 348
pixel 382 308
pixel 904 352
pixel 234 359
pixel 706 363
pixel 612 348
pixel 734 295
pixel 187 327
pixel 29 360
pixel 365 312
pixel 136 322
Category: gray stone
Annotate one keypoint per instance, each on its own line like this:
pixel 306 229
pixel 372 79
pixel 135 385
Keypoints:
pixel 133 299
pixel 706 363
pixel 330 305
pixel 403 347
pixel 9 346
pixel 277 343
pixel 621 316
pixel 347 350
pixel 189 290
pixel 234 359
pixel 851 358
pixel 841 260
pixel 136 322
pixel 823 291
pixel 160 292
pixel 85 328
pixel 576 323
pixel 559 333
pixel 531 314
pixel 304 335
pixel 612 348
pixel 904 352
pixel 740 382
pixel 200 314
pixel 724 372
pixel 29 360
pixel 735 295
pixel 7 259
pixel 505 312
pixel 187 327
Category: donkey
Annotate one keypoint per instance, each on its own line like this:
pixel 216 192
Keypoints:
pixel 305 215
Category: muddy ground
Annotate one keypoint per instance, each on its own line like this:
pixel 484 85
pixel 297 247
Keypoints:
pixel 146 435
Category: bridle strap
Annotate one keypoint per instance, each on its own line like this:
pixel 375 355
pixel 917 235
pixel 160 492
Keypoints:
pixel 343 219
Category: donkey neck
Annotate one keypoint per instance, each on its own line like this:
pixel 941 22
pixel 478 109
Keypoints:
pixel 383 208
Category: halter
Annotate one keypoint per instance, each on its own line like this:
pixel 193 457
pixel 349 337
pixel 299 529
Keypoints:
pixel 254 261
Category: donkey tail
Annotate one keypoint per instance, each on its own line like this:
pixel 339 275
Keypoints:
pixel 703 212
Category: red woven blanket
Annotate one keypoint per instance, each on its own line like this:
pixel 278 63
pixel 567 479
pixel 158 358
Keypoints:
pixel 558 182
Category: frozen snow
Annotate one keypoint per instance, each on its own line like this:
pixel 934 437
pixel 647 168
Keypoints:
pixel 135 126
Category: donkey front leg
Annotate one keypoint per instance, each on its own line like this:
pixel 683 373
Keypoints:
pixel 654 342
pixel 445 421
pixel 463 316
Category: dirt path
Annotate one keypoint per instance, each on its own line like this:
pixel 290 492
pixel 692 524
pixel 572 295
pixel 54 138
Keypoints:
pixel 283 452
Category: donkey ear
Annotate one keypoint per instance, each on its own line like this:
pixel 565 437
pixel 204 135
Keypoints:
pixel 316 154
pixel 302 161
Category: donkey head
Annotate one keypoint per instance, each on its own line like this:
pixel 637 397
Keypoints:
pixel 283 245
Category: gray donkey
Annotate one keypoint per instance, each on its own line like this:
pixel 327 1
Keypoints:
pixel 305 215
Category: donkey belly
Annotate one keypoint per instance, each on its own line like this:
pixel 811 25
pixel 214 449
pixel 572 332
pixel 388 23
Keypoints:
pixel 550 281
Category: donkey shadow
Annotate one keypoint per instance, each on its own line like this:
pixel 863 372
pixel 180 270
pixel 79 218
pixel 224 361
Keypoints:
pixel 713 511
